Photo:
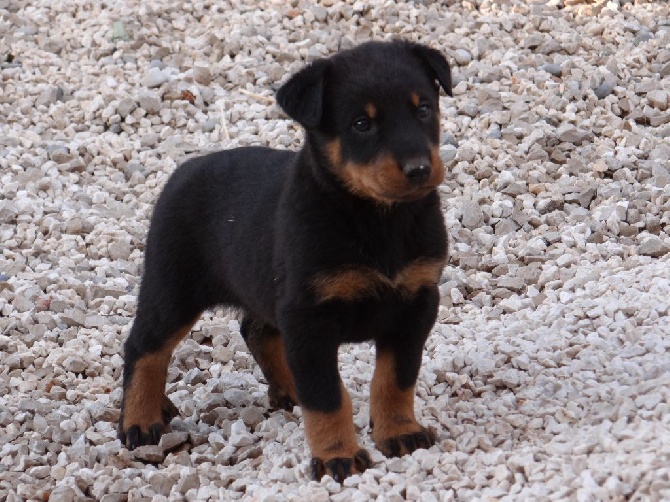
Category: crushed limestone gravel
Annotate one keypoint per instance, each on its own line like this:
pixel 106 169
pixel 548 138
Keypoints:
pixel 547 375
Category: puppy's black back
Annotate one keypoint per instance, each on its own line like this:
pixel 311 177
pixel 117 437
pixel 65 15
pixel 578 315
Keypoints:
pixel 216 215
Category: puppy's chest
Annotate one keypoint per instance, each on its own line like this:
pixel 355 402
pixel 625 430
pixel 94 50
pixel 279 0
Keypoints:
pixel 350 283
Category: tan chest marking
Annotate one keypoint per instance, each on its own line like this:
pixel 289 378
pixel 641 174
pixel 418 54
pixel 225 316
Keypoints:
pixel 353 283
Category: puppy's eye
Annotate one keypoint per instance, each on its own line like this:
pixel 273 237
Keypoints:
pixel 423 110
pixel 362 124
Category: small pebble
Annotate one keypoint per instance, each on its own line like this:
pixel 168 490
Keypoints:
pixel 603 90
pixel 462 57
pixel 155 77
pixel 202 75
pixel 552 69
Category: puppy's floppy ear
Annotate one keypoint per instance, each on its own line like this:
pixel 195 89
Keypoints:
pixel 301 97
pixel 436 63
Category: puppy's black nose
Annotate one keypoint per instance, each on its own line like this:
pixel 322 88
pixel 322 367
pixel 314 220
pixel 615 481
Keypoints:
pixel 417 170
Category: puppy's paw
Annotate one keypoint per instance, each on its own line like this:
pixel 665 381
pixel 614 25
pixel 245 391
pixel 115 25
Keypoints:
pixel 136 436
pixel 168 410
pixel 147 428
pixel 397 446
pixel 279 399
pixel 340 468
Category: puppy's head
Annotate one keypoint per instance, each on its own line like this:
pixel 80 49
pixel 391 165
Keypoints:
pixel 373 112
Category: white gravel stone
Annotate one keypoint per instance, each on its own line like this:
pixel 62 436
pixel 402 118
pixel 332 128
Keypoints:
pixel 462 57
pixel 171 440
pixel 155 77
pixel 149 102
pixel 658 99
pixel 149 453
pixel 653 246
pixel 239 436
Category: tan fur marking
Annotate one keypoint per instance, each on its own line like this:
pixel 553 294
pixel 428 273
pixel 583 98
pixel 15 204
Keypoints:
pixel 391 408
pixel 144 396
pixel 388 178
pixel 437 170
pixel 272 360
pixel 332 435
pixel 371 110
pixel 376 180
pixel 418 274
pixel 383 181
pixel 334 152
pixel 414 97
pixel 349 284
pixel 363 282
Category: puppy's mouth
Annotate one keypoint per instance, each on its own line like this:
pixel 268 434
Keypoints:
pixel 412 195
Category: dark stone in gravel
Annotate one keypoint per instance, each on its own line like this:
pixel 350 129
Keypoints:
pixel 552 69
pixel 586 197
pixel 596 238
pixel 501 293
pixel 603 90
pixel 529 274
pixel 501 270
pixel 627 230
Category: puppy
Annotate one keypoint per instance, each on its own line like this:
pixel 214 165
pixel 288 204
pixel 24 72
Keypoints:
pixel 342 241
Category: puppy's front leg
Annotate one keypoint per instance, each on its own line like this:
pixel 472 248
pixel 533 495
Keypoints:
pixel 395 430
pixel 326 406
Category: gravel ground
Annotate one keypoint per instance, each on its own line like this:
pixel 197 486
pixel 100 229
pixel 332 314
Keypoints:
pixel 548 373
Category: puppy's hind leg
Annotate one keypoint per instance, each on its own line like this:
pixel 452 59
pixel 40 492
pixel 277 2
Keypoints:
pixel 267 347
pixel 145 409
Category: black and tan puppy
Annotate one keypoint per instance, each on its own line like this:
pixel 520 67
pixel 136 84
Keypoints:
pixel 343 241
